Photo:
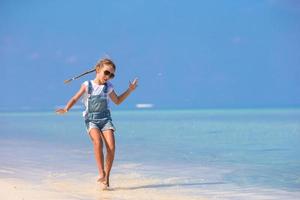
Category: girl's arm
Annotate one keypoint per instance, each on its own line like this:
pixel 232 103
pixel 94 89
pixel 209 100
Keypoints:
pixel 72 101
pixel 119 99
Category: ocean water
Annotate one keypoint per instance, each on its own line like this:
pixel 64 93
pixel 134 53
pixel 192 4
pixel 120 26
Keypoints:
pixel 212 154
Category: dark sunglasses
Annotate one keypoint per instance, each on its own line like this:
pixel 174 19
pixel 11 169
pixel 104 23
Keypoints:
pixel 108 73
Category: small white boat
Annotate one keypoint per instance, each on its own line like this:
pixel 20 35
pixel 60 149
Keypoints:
pixel 144 105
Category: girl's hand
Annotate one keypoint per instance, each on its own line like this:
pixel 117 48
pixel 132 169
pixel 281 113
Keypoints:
pixel 133 85
pixel 61 111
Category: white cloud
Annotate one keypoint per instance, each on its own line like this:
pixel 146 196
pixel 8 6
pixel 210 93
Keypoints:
pixel 236 40
pixel 7 40
pixel 71 59
pixel 34 56
pixel 6 43
pixel 58 53
pixel 159 74
pixel 291 5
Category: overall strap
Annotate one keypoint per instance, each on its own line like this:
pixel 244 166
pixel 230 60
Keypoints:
pixel 105 88
pixel 90 87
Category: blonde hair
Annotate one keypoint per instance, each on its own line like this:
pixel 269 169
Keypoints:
pixel 105 61
pixel 100 64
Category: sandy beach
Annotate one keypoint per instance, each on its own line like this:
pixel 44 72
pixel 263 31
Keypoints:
pixel 249 159
pixel 85 187
pixel 126 187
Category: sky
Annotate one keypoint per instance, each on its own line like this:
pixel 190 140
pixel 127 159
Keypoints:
pixel 186 54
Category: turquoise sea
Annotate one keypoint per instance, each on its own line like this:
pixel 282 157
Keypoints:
pixel 213 154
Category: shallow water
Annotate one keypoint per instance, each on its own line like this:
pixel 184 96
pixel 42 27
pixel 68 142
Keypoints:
pixel 216 154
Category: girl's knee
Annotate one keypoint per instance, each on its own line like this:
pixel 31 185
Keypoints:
pixel 111 149
pixel 97 142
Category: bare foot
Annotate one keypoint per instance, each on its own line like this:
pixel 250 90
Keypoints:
pixel 103 185
pixel 103 181
pixel 101 177
pixel 107 180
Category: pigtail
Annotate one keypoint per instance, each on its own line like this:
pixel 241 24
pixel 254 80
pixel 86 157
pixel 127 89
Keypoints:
pixel 100 63
pixel 76 77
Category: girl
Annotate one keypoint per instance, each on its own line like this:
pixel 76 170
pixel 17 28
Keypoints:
pixel 97 114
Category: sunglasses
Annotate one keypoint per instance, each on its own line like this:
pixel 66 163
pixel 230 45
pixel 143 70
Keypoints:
pixel 109 74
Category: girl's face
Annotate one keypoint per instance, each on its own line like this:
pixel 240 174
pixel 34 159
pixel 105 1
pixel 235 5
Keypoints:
pixel 105 73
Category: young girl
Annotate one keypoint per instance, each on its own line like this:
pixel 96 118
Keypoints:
pixel 97 114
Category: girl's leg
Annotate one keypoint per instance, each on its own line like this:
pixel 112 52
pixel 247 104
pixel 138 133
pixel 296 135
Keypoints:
pixel 109 139
pixel 95 135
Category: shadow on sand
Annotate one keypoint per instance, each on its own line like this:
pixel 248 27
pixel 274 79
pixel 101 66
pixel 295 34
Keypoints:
pixel 166 185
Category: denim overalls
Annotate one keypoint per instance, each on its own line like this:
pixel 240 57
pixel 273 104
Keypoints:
pixel 98 115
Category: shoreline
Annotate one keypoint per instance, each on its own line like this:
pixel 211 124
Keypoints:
pixel 221 109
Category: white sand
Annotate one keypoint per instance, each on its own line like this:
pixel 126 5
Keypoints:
pixel 85 187
pixel 125 186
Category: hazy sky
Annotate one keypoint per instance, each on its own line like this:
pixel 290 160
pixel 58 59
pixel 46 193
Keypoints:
pixel 187 54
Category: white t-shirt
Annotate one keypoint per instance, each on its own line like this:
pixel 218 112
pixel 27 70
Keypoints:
pixel 97 89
